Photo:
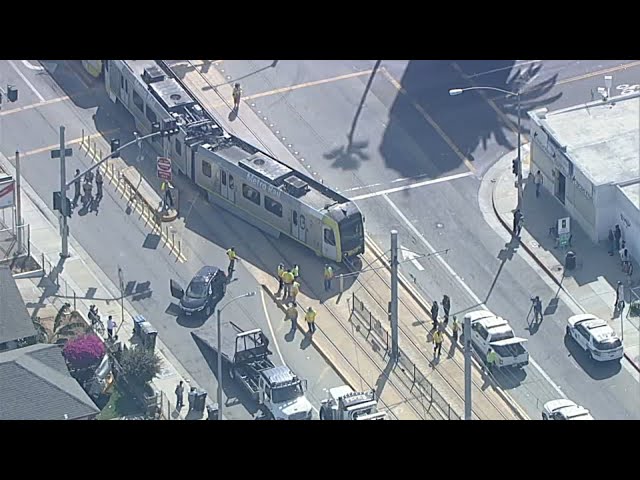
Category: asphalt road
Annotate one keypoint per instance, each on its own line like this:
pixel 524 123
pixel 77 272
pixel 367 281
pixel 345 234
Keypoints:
pixel 115 237
pixel 410 138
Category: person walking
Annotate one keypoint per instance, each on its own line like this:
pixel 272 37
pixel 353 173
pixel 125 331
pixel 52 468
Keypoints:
pixel 538 181
pixel 292 314
pixel 287 280
pixel 88 177
pixel 179 395
pixel 619 305
pixel 625 260
pixel 617 236
pixel 231 254
pixel 111 325
pixel 281 270
pixel 437 343
pixel 455 326
pixel 310 317
pixel 99 182
pixel 296 271
pixel 328 276
pixel 537 309
pixel 611 242
pixel 295 290
pixel 517 222
pixel 77 184
pixel 87 187
pixel 492 359
pixel 446 306
pixel 237 95
pixel 434 314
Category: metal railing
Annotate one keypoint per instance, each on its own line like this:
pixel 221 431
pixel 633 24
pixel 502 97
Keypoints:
pixel 375 331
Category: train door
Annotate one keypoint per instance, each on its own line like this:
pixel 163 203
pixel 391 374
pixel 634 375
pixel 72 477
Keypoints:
pixel 329 248
pixel 227 186
pixel 295 224
pixel 194 149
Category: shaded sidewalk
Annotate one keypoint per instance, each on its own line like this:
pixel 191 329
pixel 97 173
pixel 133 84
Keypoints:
pixel 591 285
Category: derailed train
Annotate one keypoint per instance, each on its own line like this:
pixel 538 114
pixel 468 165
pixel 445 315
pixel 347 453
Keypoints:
pixel 235 175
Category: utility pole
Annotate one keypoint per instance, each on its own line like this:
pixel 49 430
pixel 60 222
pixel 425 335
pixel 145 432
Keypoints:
pixel 393 305
pixel 467 368
pixel 122 290
pixel 519 150
pixel 64 227
pixel 19 204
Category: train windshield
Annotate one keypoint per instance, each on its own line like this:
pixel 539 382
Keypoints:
pixel 351 232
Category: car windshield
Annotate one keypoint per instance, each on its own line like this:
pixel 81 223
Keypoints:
pixel 197 289
pixel 611 344
pixel 286 394
pixel 496 337
pixel 512 350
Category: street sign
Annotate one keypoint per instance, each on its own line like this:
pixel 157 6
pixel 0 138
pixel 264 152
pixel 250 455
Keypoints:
pixel 412 257
pixel 56 153
pixel 164 168
pixel 7 191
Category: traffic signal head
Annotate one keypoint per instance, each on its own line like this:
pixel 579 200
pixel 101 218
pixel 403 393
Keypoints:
pixel 514 166
pixel 57 196
pixel 115 145
pixel 12 93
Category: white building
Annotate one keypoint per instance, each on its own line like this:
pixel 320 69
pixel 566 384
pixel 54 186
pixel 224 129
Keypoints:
pixel 589 156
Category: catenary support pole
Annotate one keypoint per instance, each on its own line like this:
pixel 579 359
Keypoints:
pixel 467 368
pixel 64 227
pixel 219 365
pixel 393 313
pixel 20 233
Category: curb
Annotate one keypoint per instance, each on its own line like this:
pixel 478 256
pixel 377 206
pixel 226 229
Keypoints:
pixel 421 302
pixel 319 349
pixel 542 265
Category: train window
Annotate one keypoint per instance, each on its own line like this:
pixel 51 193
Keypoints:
pixel 273 206
pixel 329 237
pixel 126 86
pixel 179 148
pixel 295 218
pixel 302 222
pixel 250 194
pixel 231 183
pixel 137 101
pixel 206 170
pixel 223 177
pixel 121 82
pixel 151 115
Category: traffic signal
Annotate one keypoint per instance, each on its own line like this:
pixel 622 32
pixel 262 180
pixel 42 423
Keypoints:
pixel 514 166
pixel 58 205
pixel 115 145
pixel 12 93
pixel 155 127
pixel 57 197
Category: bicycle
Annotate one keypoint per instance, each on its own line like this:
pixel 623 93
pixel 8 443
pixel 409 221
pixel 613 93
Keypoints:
pixel 96 323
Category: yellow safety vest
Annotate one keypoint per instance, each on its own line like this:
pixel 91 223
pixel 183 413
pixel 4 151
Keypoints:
pixel 328 273
pixel 281 270
pixel 492 357
pixel 292 312
pixel 287 277
pixel 456 327
pixel 296 288
pixel 437 337
pixel 310 317
pixel 295 271
pixel 231 254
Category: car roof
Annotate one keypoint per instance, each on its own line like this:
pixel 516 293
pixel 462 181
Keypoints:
pixel 478 314
pixel 558 404
pixel 576 412
pixel 573 320
pixel 494 323
pixel 509 341
pixel 206 272
pixel 602 333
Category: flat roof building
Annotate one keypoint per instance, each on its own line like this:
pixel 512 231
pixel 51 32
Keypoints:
pixel 589 156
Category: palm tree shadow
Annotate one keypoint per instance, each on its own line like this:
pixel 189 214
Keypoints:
pixel 349 156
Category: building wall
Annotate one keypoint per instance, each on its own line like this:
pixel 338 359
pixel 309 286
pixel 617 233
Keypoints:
pixel 628 217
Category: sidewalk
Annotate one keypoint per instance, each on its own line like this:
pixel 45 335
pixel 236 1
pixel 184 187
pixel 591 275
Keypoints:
pixel 591 284
pixel 81 284
pixel 336 323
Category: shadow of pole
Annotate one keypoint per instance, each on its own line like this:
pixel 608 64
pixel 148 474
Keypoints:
pixel 361 105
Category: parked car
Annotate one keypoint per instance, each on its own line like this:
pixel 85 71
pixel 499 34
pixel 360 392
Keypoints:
pixel 564 409
pixel 596 337
pixel 205 289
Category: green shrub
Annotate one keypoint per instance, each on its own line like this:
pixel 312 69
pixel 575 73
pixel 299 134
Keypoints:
pixel 140 365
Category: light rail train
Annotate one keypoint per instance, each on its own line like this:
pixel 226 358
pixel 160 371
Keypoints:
pixel 235 175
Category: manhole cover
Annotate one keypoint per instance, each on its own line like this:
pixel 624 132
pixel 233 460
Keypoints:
pixel 439 225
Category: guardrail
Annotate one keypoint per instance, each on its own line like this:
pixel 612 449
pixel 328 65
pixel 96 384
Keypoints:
pixel 374 330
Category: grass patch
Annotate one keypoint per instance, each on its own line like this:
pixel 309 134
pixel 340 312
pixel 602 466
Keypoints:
pixel 119 405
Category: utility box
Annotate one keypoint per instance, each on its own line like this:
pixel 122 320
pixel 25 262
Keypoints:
pixel 570 261
pixel 149 334
pixel 212 412
pixel 199 401
pixel 137 321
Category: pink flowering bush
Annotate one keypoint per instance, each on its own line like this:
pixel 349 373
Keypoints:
pixel 84 351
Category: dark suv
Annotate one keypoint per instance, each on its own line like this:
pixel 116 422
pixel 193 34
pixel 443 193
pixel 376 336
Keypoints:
pixel 205 289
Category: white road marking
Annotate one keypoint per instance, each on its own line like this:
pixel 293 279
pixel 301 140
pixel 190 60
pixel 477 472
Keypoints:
pixel 31 66
pixel 273 335
pixel 503 68
pixel 410 186
pixel 26 80
pixel 466 288
pixel 413 257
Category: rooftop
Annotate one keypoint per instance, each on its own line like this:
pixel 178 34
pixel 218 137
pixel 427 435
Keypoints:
pixel 632 192
pixel 36 385
pixel 602 138
pixel 15 322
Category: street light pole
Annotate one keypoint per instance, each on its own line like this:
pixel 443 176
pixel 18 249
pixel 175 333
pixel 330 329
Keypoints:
pixel 64 227
pixel 20 233
pixel 219 346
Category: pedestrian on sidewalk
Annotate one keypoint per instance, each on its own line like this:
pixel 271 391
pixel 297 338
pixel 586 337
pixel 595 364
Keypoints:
pixel 434 314
pixel 446 306
pixel 611 241
pixel 281 270
pixel 517 222
pixel 87 187
pixel 455 326
pixel 619 305
pixel 88 177
pixel 99 182
pixel 295 290
pixel 617 235
pixel 310 317
pixel 492 360
pixel 287 280
pixel 237 95
pixel 437 343
pixel 296 271
pixel 537 309
pixel 111 325
pixel 191 397
pixel 180 395
pixel 538 181
pixel 328 276
pixel 76 187
pixel 292 314
pixel 629 270
pixel 231 254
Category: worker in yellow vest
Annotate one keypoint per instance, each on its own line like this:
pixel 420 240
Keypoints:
pixel 456 328
pixel 437 343
pixel 287 279
pixel 296 271
pixel 328 276
pixel 310 317
pixel 281 270
pixel 492 359
pixel 292 314
pixel 231 254
pixel 295 290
